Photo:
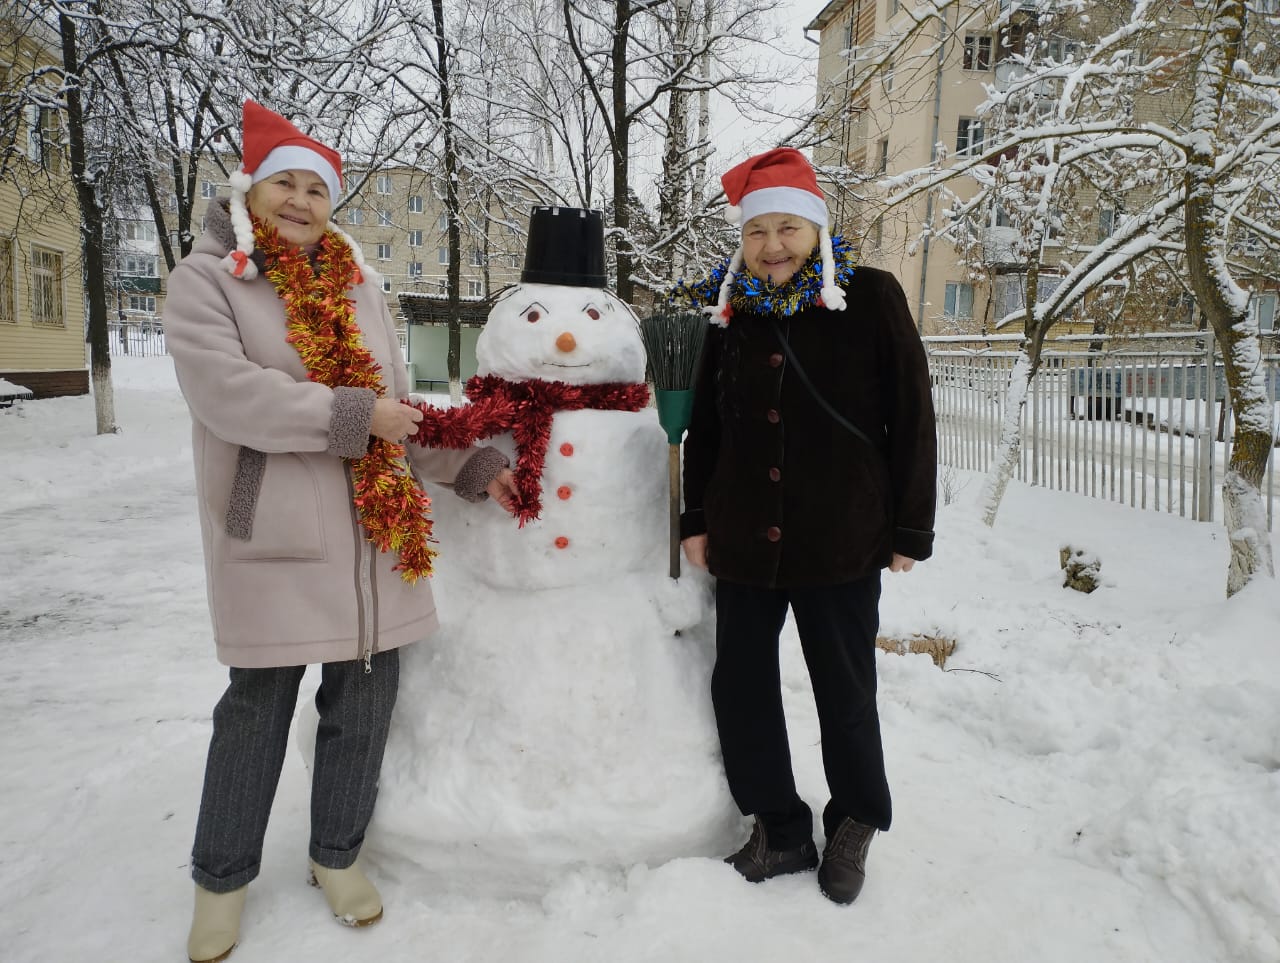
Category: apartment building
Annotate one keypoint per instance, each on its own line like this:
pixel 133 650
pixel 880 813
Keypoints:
pixel 42 343
pixel 397 217
pixel 890 113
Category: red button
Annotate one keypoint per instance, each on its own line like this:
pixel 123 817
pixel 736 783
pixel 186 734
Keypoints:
pixel 773 534
pixel 566 449
pixel 564 491
pixel 774 474
pixel 775 360
pixel 773 416
pixel 563 542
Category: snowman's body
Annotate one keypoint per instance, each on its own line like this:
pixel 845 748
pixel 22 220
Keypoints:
pixel 561 714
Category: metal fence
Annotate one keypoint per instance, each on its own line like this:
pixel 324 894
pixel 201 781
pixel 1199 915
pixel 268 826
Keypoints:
pixel 141 337
pixel 1142 421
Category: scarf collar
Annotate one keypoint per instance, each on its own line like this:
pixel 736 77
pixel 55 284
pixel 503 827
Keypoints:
pixel 526 409
pixel 750 294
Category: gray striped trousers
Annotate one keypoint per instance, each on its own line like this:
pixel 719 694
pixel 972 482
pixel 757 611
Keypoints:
pixel 250 738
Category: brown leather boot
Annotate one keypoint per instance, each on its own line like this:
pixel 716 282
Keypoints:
pixel 757 862
pixel 844 861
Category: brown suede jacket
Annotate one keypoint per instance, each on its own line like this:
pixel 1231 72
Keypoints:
pixel 787 496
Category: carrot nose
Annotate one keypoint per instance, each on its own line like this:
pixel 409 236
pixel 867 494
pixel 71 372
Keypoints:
pixel 566 342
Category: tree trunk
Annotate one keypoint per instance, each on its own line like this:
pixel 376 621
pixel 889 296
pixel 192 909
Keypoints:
pixel 91 232
pixel 621 151
pixel 1006 461
pixel 1226 307
pixel 454 270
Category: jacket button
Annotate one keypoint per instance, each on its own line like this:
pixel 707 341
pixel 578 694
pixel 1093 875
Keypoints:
pixel 562 542
pixel 775 475
pixel 775 360
pixel 564 491
pixel 566 449
pixel 773 416
pixel 773 533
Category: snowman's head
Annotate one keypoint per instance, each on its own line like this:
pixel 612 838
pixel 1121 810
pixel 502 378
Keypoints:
pixel 554 332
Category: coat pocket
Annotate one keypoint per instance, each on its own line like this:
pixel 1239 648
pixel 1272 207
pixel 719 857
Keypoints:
pixel 287 522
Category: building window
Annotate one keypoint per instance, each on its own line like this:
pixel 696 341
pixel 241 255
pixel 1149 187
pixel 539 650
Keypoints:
pixel 969 136
pixel 1060 50
pixel 415 204
pixel 1010 294
pixel 7 313
pixel 415 269
pixel 44 137
pixel 1106 223
pixel 386 286
pixel 208 190
pixel 384 183
pixel 887 74
pixel 892 6
pixel 475 289
pixel 477 257
pixel 142 303
pixel 384 218
pixel 384 252
pixel 355 215
pixel 883 165
pixel 977 51
pixel 46 286
pixel 442 255
pixel 877 234
pixel 959 300
pixel 443 223
pixel 1002 217
pixel 1262 311
pixel 138 231
pixel 140 266
pixel 415 239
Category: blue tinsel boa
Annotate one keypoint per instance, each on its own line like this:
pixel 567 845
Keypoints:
pixel 749 293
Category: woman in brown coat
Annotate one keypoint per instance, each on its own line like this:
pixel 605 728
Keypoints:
pixel 315 528
pixel 810 466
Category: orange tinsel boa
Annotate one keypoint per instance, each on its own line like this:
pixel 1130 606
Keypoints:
pixel 392 507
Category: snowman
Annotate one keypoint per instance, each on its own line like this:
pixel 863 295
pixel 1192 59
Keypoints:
pixel 560 716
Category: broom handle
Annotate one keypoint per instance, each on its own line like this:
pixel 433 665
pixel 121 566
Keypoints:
pixel 673 462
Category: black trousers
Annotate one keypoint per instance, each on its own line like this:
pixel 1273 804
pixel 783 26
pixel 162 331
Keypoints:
pixel 837 626
pixel 250 738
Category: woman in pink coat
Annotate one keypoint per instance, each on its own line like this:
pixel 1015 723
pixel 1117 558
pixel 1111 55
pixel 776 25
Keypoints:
pixel 315 528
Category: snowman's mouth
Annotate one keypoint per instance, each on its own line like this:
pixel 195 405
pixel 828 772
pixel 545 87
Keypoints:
pixel 556 364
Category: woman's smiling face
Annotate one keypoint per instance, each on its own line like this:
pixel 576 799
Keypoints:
pixel 296 203
pixel 775 246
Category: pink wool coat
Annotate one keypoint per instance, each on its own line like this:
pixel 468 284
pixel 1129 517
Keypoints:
pixel 291 579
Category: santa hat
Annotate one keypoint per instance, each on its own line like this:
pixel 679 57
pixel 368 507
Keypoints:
pixel 779 181
pixel 270 145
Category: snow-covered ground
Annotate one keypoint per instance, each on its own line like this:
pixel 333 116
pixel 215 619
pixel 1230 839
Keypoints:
pixel 1095 778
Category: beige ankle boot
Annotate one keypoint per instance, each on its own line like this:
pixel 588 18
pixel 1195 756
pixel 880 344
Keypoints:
pixel 353 899
pixel 215 925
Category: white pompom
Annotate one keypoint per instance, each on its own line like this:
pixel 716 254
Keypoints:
pixel 832 298
pixel 733 214
pixel 240 181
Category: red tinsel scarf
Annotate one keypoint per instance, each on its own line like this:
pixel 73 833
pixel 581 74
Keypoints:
pixel 525 408
pixel 392 507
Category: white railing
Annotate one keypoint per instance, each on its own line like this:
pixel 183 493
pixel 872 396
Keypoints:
pixel 141 337
pixel 1139 422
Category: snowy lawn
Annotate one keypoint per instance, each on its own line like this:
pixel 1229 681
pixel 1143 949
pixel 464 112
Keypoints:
pixel 1094 778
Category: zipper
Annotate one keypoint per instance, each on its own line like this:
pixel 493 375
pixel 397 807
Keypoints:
pixel 364 584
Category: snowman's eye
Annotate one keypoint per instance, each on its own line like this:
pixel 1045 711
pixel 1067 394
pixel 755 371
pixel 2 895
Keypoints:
pixel 533 316
pixel 593 314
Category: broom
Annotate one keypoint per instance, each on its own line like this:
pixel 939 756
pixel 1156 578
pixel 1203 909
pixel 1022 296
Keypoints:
pixel 673 341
